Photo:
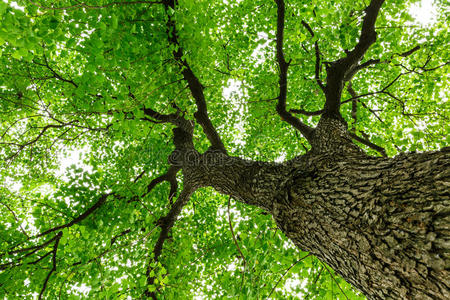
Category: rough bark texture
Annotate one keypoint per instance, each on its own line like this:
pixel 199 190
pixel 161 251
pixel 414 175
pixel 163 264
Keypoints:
pixel 382 223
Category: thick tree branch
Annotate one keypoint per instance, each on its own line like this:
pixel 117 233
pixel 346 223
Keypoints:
pixel 283 65
pixel 367 36
pixel 338 69
pixel 196 88
pixel 80 218
pixel 169 176
pixel 174 118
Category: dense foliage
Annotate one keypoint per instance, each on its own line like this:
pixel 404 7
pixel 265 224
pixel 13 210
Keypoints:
pixel 75 80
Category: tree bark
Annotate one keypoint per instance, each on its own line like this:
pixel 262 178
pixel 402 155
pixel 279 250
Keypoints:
pixel 382 223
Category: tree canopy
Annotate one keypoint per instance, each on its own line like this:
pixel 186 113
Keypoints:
pixel 108 81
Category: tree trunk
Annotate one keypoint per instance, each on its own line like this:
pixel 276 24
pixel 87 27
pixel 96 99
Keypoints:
pixel 382 223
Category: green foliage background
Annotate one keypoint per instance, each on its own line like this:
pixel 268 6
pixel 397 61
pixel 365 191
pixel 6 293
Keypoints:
pixel 74 68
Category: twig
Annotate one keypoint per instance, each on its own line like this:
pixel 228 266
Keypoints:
pixel 236 243
pixel 285 273
pixel 334 279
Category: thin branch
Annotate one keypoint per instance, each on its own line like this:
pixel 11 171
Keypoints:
pixel 283 66
pixel 315 281
pixel 166 223
pixel 40 258
pixel 236 243
pixel 334 279
pixel 32 249
pixel 307 113
pixel 372 62
pixel 286 272
pixel 355 99
pixel 382 91
pixel 15 218
pixel 55 249
pixel 354 104
pixel 55 74
pixel 369 144
pixel 40 134
pixel 317 52
pixel 233 235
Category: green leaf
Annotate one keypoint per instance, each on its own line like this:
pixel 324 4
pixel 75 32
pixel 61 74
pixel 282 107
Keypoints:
pixel 114 21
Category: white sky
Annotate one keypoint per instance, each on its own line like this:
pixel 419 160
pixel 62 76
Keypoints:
pixel 425 12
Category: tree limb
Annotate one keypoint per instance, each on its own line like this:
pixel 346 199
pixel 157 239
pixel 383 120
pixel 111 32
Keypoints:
pixel 80 218
pixel 55 249
pixel 169 176
pixel 338 69
pixel 196 88
pixel 369 144
pixel 372 62
pixel 283 65
pixel 367 36
pixel 166 223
